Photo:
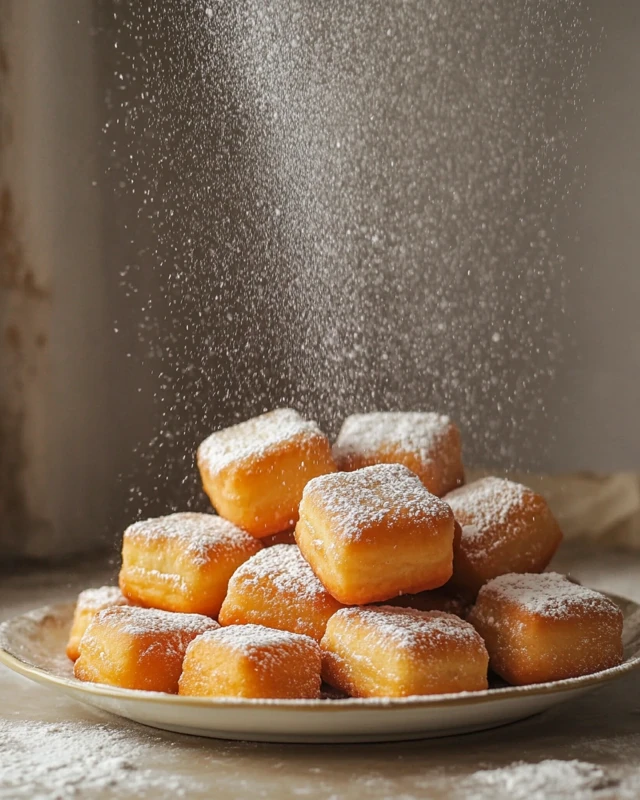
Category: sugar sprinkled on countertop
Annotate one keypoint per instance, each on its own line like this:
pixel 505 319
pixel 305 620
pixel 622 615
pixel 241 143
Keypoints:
pixel 549 779
pixel 60 760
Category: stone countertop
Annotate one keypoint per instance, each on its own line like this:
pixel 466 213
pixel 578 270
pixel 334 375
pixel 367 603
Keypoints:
pixel 54 747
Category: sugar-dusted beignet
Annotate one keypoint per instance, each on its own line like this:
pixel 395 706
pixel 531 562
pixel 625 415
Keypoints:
pixel 278 588
pixel 505 528
pixel 375 533
pixel 183 562
pixel 251 661
pixel 541 628
pixel 138 648
pixel 428 443
pixel 89 602
pixel 254 472
pixel 383 651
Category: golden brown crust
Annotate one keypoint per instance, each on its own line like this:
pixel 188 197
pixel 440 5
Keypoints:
pixel 252 661
pixel 89 602
pixel 254 473
pixel 138 648
pixel 278 589
pixel 506 527
pixel 351 523
pixel 429 444
pixel 183 562
pixel 542 628
pixel 383 651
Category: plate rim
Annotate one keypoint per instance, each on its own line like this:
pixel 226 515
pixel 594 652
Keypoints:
pixel 341 705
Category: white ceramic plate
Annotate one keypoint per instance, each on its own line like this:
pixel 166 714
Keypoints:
pixel 33 645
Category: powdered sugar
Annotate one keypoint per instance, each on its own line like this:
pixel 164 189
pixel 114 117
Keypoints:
pixel 416 432
pixel 410 629
pixel 284 567
pixel 101 597
pixel 256 642
pixel 385 493
pixel 136 621
pixel 62 760
pixel 198 534
pixel 482 505
pixel 253 439
pixel 573 780
pixel 548 594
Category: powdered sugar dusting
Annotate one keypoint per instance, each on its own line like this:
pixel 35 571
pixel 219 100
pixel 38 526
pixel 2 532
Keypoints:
pixel 388 493
pixel 137 621
pixel 573 780
pixel 548 594
pixel 258 643
pixel 55 761
pixel 416 432
pixel 409 628
pixel 253 438
pixel 284 567
pixel 482 505
pixel 198 534
pixel 101 597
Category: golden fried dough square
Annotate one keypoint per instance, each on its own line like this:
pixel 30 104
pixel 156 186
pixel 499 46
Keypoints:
pixel 277 588
pixel 138 648
pixel 375 533
pixel 89 602
pixel 540 628
pixel 251 661
pixel 384 651
pixel 254 472
pixel 506 527
pixel 426 442
pixel 182 562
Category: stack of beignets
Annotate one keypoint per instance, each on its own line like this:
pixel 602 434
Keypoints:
pixel 369 566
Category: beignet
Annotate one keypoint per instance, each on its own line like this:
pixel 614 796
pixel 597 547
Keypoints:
pixel 376 533
pixel 182 562
pixel 138 648
pixel 251 661
pixel 277 588
pixel 254 472
pixel 89 602
pixel 426 442
pixel 506 527
pixel 540 628
pixel 383 651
